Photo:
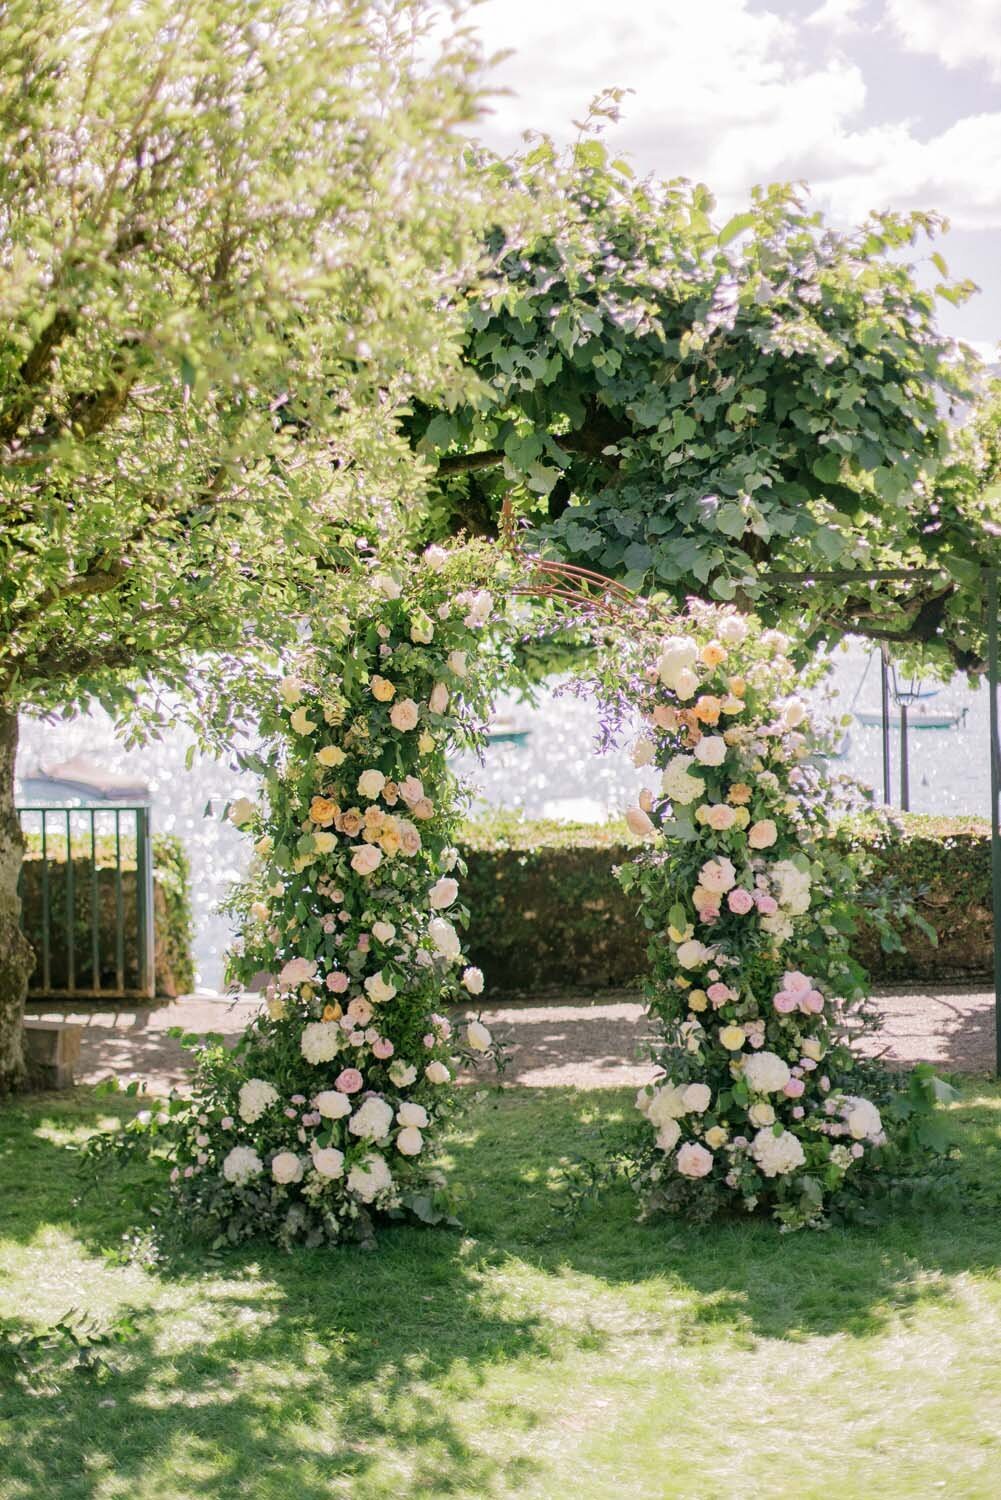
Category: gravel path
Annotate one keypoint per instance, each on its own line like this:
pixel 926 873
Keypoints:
pixel 568 1041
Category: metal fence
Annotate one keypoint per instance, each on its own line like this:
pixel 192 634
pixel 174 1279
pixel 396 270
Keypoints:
pixel 87 897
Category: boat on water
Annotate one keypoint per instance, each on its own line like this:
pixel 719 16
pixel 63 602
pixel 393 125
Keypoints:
pixel 918 717
pixel 503 731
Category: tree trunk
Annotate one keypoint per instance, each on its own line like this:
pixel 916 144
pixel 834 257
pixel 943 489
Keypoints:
pixel 16 958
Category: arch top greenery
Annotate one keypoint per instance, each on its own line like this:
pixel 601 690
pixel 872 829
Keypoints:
pixel 325 1117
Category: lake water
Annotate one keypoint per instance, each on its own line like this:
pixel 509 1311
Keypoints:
pixel 555 773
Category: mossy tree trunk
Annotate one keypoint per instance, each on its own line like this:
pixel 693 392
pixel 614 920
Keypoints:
pixel 16 957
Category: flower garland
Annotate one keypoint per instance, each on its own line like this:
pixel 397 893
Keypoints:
pixel 750 910
pixel 327 1111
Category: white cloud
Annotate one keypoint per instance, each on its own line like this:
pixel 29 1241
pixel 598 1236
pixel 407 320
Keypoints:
pixel 732 96
pixel 837 16
pixel 963 34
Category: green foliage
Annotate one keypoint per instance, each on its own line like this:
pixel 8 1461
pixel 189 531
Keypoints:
pixel 689 408
pixel 231 235
pixel 548 912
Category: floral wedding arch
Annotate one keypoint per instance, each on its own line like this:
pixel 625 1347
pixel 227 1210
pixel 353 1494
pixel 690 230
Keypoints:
pixel 326 1115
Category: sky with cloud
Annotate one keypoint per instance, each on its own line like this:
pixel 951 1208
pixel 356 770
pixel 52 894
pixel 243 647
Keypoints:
pixel 875 103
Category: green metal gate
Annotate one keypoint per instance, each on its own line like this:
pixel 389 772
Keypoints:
pixel 87 898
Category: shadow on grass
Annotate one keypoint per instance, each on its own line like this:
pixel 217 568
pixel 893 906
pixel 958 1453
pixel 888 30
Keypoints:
pixel 339 1372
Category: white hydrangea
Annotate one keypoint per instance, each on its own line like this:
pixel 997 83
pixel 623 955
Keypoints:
pixel 677 784
pixel 766 1072
pixel 256 1096
pixel 241 1165
pixel 373 1119
pixel 862 1117
pixel 778 926
pixel 369 1177
pixel 792 887
pixel 320 1041
pixel 777 1154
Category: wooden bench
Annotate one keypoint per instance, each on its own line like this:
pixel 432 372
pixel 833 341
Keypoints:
pixel 52 1048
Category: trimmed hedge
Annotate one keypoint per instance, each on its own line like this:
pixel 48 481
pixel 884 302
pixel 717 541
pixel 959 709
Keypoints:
pixel 175 974
pixel 548 913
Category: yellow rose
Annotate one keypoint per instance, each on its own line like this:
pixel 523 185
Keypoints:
pixel 301 722
pixel 739 793
pixel 265 845
pixel 681 935
pixel 741 818
pixel 737 686
pixel 323 811
pixel 698 1000
pixel 389 843
pixel 732 1038
pixel 330 755
pixel 303 862
pixel 707 709
pixel 259 911
pixel 332 1012
pixel 426 743
pixel 382 689
pixel 324 843
pixel 716 1137
pixel 812 1048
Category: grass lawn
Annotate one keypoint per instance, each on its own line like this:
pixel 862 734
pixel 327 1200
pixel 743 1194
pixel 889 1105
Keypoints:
pixel 518 1358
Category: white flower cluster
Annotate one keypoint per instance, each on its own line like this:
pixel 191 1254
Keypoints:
pixel 777 1154
pixel 256 1097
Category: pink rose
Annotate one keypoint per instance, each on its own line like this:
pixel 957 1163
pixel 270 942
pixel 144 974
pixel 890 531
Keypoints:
pixel 366 859
pixel 411 790
pixel 798 1112
pixel 719 994
pixel 767 905
pixel 784 1003
pixel 812 1002
pixel 297 971
pixel 720 817
pixel 740 901
pixel 337 982
pixel 694 1160
pixel 796 983
pixel 423 809
pixel 665 716
pixel 382 1048
pixel 364 942
pixel 794 1088
pixel 348 1081
pixel 360 1011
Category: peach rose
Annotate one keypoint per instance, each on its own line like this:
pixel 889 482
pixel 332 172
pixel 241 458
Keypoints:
pixel 423 809
pixel 349 821
pixel 762 835
pixel 382 689
pixel 404 715
pixel 739 794
pixel 438 701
